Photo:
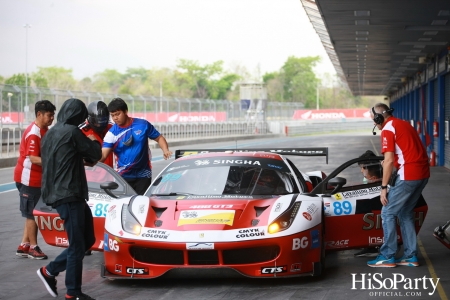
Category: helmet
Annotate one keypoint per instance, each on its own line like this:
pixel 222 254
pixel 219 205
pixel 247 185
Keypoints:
pixel 98 116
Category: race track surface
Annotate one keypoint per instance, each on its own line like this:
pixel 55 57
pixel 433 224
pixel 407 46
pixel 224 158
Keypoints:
pixel 19 279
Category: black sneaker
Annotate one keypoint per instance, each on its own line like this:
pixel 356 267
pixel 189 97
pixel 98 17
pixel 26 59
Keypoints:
pixel 49 282
pixel 367 252
pixel 80 297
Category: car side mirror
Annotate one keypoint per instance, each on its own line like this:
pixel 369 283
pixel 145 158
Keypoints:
pixel 337 183
pixel 108 186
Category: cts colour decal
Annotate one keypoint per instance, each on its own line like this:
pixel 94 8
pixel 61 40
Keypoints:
pixel 206 217
pixel 273 270
pixel 137 271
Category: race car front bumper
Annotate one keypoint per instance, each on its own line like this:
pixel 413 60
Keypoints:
pixel 294 255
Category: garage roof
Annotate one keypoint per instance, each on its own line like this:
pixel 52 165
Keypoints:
pixel 378 46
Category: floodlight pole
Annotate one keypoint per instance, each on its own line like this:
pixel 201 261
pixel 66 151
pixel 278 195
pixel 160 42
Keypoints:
pixel 26 26
pixel 9 104
pixel 317 96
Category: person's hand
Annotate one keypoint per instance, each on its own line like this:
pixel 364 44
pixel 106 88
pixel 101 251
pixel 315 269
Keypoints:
pixel 383 197
pixel 167 154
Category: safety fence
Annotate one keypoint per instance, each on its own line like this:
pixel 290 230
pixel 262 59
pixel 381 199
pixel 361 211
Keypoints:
pixel 17 106
pixel 10 140
pixel 10 137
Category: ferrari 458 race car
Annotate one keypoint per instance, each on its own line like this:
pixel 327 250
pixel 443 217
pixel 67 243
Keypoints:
pixel 250 210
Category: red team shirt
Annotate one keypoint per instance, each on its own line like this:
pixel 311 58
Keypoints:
pixel 411 160
pixel 26 172
pixel 109 160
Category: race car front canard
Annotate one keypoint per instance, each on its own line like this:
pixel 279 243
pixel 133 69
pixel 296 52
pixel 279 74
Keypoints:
pixel 345 203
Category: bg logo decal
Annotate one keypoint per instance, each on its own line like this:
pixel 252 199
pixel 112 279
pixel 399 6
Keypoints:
pixel 300 243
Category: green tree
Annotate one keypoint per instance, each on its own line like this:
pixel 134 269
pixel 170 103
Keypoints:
pixel 218 89
pixel 108 81
pixel 207 81
pixel 56 77
pixel 300 81
pixel 39 80
pixel 17 79
pixel 85 84
pixel 200 76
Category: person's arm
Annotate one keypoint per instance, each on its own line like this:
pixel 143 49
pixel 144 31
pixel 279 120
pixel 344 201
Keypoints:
pixel 164 146
pixel 105 153
pixel 35 160
pixel 88 146
pixel 388 166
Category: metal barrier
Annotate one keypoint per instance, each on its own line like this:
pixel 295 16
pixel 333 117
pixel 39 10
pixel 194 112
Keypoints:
pixel 11 137
pixel 10 140
pixel 305 128
pixel 20 106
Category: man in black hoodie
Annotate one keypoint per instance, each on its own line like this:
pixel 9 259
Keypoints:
pixel 64 187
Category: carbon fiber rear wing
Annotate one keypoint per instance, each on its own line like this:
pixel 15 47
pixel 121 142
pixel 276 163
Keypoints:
pixel 283 151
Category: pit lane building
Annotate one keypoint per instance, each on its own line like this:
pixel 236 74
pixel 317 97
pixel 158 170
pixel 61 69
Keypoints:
pixel 399 49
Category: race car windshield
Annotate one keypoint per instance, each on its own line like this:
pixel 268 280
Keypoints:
pixel 222 180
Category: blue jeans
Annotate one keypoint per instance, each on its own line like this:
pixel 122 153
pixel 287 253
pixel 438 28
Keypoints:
pixel 79 226
pixel 402 198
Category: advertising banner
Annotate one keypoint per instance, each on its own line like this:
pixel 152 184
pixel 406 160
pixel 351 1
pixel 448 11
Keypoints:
pixel 182 117
pixel 329 114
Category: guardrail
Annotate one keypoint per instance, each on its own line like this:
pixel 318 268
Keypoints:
pixel 10 140
pixel 10 137
pixel 308 127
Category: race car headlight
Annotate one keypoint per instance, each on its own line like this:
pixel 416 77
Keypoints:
pixel 284 221
pixel 129 222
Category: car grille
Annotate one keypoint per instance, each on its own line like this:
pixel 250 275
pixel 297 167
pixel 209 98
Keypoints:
pixel 158 256
pixel 250 255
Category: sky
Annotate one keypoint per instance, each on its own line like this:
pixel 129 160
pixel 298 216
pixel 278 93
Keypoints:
pixel 89 36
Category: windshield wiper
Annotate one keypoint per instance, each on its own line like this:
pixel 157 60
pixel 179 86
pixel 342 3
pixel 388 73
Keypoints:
pixel 171 194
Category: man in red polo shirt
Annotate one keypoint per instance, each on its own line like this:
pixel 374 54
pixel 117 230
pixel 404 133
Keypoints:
pixel 402 148
pixel 28 176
